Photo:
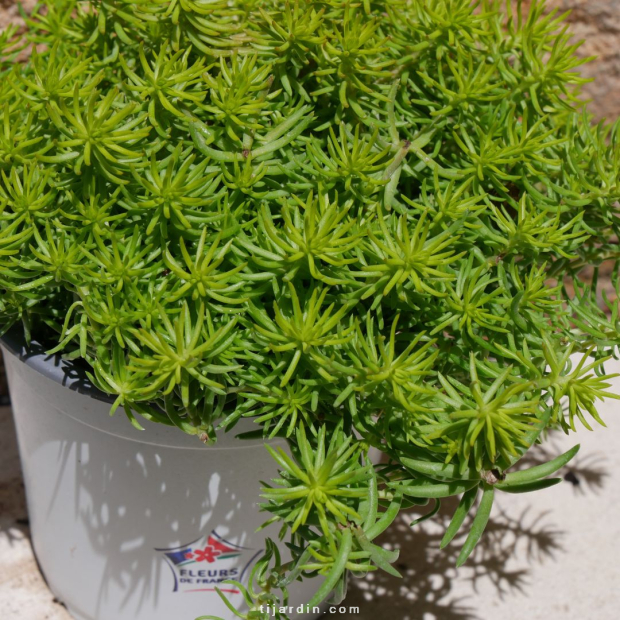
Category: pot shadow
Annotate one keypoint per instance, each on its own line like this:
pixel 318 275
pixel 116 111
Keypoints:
pixel 427 587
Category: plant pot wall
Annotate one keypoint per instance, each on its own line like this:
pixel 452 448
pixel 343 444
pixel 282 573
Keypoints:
pixel 131 525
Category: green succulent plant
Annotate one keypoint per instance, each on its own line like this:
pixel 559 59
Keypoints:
pixel 360 224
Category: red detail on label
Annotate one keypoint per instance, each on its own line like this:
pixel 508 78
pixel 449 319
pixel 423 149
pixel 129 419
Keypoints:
pixel 213 549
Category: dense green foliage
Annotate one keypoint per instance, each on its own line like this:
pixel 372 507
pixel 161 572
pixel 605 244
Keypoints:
pixel 359 224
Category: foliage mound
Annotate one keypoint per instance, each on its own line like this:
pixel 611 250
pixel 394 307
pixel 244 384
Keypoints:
pixel 355 223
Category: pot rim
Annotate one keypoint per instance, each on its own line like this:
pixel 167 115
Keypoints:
pixel 65 372
pixel 73 375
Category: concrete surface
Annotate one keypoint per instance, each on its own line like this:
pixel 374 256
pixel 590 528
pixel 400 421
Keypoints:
pixel 546 556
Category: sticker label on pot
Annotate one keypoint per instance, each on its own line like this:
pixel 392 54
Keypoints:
pixel 205 563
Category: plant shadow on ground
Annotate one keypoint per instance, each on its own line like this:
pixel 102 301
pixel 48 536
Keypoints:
pixel 426 590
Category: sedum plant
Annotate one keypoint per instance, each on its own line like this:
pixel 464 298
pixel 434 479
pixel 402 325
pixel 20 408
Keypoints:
pixel 358 224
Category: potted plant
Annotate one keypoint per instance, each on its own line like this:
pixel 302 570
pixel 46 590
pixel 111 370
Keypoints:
pixel 321 226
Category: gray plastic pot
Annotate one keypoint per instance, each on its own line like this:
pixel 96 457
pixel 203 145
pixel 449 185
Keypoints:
pixel 130 525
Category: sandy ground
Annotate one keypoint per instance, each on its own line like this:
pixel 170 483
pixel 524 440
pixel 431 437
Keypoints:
pixel 545 556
